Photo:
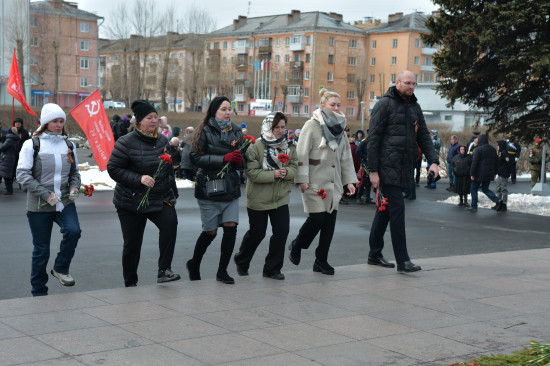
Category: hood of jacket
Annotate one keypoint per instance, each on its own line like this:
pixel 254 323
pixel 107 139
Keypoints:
pixel 482 140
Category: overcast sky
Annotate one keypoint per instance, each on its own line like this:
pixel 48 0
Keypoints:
pixel 225 11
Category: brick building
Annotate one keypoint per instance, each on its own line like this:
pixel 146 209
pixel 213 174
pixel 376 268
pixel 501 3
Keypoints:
pixel 64 53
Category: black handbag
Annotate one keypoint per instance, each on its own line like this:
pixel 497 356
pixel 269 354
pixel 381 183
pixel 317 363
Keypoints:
pixel 216 187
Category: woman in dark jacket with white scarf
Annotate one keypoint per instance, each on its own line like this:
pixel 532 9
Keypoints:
pixel 215 144
pixel 324 162
pixel 133 163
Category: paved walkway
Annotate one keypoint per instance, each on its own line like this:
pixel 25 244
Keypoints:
pixel 453 310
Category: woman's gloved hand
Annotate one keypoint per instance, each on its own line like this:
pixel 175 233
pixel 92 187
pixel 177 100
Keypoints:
pixel 74 194
pixel 235 157
pixel 53 199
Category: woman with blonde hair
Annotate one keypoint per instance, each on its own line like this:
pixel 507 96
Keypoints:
pixel 325 165
pixel 48 170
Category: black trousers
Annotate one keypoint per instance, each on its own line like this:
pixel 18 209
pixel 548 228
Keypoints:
pixel 417 168
pixel 395 216
pixel 315 222
pixel 280 224
pixel 133 226
pixel 9 184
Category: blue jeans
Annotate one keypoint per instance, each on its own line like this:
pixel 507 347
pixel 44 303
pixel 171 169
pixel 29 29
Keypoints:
pixel 451 175
pixel 485 189
pixel 41 224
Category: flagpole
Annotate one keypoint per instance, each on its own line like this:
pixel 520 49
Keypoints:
pixel 12 110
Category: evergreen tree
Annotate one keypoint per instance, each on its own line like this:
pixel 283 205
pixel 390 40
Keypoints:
pixel 495 56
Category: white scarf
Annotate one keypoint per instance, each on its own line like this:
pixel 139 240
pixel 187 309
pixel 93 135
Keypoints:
pixel 273 146
pixel 330 122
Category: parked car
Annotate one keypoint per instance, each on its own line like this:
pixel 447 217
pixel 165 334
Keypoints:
pixel 111 104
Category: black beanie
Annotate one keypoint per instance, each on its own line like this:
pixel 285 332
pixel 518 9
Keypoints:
pixel 217 102
pixel 141 108
pixel 18 119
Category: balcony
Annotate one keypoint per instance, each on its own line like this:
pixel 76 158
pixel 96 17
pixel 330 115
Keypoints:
pixel 264 45
pixel 294 99
pixel 296 65
pixel 297 43
pixel 427 68
pixel 214 51
pixel 428 51
pixel 241 65
pixel 239 98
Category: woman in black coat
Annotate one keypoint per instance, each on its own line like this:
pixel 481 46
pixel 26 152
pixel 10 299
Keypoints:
pixel 133 163
pixel 8 157
pixel 460 165
pixel 216 143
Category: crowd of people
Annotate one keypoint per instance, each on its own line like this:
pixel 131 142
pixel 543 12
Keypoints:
pixel 326 161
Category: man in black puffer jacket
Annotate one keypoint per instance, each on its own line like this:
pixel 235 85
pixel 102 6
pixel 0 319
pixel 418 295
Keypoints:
pixel 133 164
pixel 483 170
pixel 397 125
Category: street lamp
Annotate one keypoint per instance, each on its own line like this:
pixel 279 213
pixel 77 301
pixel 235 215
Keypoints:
pixel 363 106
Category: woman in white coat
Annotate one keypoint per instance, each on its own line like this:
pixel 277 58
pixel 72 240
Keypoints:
pixel 325 165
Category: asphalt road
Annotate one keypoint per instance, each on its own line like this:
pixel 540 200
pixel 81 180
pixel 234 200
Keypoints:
pixel 433 230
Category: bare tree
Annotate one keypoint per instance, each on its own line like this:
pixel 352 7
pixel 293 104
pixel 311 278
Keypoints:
pixel 360 83
pixel 284 90
pixel 120 30
pixel 197 23
pixel 168 27
pixel 17 31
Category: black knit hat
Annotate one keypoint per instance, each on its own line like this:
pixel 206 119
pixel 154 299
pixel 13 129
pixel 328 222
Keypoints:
pixel 142 108
pixel 18 119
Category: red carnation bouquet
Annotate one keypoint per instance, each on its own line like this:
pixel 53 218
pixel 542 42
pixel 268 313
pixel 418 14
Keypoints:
pixel 381 201
pixel 320 192
pixel 284 159
pixel 248 140
pixel 165 159
pixel 86 190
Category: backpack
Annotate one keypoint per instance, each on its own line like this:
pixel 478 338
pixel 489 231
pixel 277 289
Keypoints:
pixel 36 146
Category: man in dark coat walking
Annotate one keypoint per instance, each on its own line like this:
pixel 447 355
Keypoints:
pixel 8 153
pixel 396 127
pixel 483 170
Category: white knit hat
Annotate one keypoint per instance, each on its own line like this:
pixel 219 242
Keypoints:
pixel 51 111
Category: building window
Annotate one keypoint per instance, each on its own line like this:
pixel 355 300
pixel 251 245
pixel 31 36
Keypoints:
pixel 427 61
pixel 250 60
pixel 297 57
pixel 287 41
pixel 295 109
pixel 352 61
pixel 286 75
pixel 276 75
pixel 83 82
pixel 225 45
pixel 34 22
pixel 308 57
pixel 84 63
pixel 330 76
pixel 306 92
pixel 294 91
pixel 373 61
pixel 417 43
pixel 277 59
pixel 350 94
pixel 84 27
pixel 232 76
pixel 417 60
pixel 306 109
pixel 308 40
pixel 394 43
pixel 306 75
pixel 84 46
pixel 240 75
pixel 330 59
pixel 394 60
pixel 352 43
pixel 278 42
pixel 287 59
pixel 427 77
pixel 372 78
pixel 392 78
pixel 373 44
pixel 371 95
pixel 331 41
pixel 238 90
pixel 350 111
pixel 34 60
pixel 351 78
pixel 240 107
pixel 448 117
pixel 251 44
pixel 35 42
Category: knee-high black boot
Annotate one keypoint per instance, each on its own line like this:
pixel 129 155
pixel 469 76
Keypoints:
pixel 228 243
pixel 194 264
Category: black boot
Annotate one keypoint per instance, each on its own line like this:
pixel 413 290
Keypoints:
pixel 466 204
pixel 497 206
pixel 358 195
pixel 461 203
pixel 368 199
pixel 228 243
pixel 502 207
pixel 193 265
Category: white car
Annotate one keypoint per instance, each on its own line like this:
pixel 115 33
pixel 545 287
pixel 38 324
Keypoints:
pixel 111 104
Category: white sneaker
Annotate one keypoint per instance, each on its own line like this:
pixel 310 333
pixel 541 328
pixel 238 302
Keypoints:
pixel 65 279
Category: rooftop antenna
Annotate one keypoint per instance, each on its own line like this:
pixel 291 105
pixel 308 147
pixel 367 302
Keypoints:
pixel 248 11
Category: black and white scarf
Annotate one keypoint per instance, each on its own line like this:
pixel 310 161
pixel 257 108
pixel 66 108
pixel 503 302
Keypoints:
pixel 273 146
pixel 333 125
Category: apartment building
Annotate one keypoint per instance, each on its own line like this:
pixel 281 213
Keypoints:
pixel 287 59
pixel 145 69
pixel 64 53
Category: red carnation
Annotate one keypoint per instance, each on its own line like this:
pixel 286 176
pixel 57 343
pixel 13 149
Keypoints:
pixel 283 158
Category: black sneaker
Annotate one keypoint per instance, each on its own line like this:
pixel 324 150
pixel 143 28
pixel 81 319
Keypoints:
pixel 167 276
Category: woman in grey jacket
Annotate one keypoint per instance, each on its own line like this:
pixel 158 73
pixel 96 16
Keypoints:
pixel 324 163
pixel 51 178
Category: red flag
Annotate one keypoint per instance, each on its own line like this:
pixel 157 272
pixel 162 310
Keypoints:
pixel 92 118
pixel 14 85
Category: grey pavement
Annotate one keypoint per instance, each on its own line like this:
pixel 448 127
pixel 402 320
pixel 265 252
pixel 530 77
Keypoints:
pixel 456 308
